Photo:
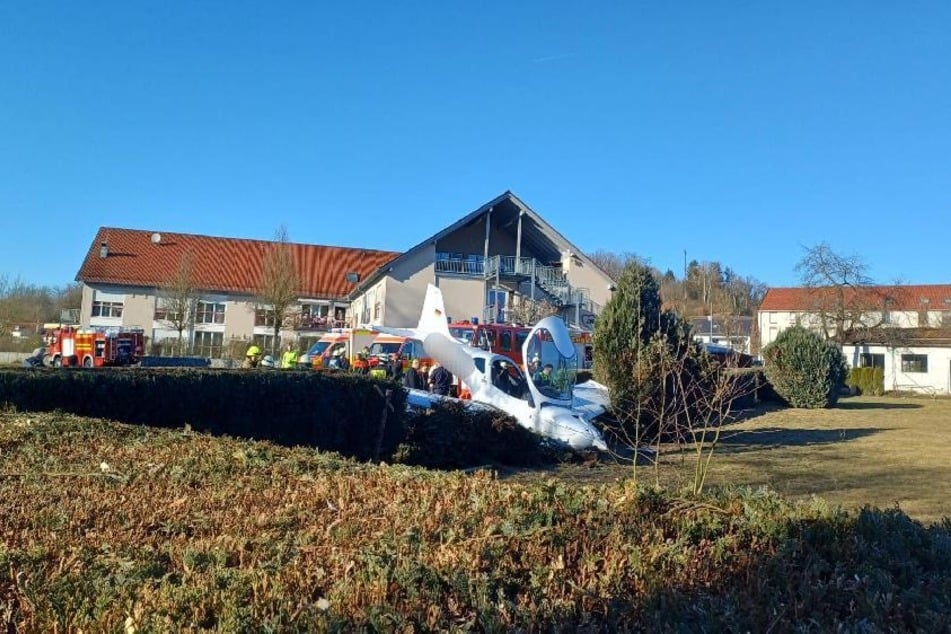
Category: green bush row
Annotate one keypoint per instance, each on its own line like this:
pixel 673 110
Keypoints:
pixel 867 380
pixel 339 412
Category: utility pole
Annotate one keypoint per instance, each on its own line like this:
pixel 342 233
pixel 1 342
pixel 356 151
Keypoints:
pixel 684 312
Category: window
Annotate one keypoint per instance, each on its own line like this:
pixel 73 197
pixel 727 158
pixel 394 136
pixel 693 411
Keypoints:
pixel 505 340
pixel 914 363
pixel 209 344
pixel 264 317
pixel 496 300
pixel 210 313
pixel 869 360
pixel 314 316
pixel 165 313
pixel 474 264
pixel 264 342
pixel 107 309
pixel 945 319
pixel 520 338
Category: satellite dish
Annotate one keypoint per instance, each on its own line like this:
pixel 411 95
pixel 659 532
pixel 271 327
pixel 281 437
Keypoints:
pixel 156 238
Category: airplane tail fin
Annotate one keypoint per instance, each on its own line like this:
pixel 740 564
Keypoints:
pixel 433 329
pixel 433 318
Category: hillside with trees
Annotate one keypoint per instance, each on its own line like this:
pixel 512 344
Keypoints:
pixel 29 306
pixel 705 287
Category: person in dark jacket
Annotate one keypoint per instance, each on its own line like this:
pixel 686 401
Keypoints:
pixel 441 380
pixel 412 379
pixel 395 368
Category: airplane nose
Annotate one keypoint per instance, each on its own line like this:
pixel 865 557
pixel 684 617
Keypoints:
pixel 577 432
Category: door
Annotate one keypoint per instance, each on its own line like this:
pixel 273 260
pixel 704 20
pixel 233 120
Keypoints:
pixel 496 300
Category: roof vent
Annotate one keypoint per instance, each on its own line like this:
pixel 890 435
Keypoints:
pixel 103 250
pixel 156 238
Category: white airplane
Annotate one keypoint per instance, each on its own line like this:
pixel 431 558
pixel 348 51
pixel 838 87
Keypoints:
pixel 549 403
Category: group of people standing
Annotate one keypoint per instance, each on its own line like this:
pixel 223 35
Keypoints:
pixel 254 358
pixel 437 379
pixel 417 376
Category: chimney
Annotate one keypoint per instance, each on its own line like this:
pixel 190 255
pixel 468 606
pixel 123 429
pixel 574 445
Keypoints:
pixel 103 250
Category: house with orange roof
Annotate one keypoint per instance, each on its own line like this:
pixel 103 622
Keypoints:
pixel 903 329
pixel 495 263
pixel 126 271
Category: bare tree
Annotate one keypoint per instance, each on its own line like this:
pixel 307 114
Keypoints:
pixel 178 299
pixel 613 263
pixel 844 297
pixel 6 311
pixel 280 284
pixel 526 311
pixel 22 303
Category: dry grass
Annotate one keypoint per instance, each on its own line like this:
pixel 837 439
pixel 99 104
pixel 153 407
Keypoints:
pixel 878 451
pixel 108 527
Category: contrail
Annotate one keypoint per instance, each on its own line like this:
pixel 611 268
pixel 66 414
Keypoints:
pixel 551 58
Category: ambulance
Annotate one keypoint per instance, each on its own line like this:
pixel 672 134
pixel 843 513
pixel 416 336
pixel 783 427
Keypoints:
pixel 351 341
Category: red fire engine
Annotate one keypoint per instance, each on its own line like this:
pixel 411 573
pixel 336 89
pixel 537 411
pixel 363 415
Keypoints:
pixel 68 346
pixel 499 338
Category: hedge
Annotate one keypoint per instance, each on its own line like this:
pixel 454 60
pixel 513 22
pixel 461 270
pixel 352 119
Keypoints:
pixel 867 380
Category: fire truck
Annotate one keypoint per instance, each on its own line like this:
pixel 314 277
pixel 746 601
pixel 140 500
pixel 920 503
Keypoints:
pixel 504 339
pixel 69 346
pixel 507 339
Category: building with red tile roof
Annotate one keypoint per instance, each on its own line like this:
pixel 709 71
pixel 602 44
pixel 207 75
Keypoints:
pixel 904 329
pixel 139 257
pixel 126 271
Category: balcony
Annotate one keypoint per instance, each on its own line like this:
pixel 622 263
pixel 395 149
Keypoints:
pixel 457 264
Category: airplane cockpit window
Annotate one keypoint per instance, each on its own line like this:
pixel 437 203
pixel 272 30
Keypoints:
pixel 506 377
pixel 555 373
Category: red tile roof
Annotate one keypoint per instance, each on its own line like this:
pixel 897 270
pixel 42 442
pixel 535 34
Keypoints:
pixel 220 264
pixel 921 297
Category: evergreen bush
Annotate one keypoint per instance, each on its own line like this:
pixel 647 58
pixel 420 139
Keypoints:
pixel 867 380
pixel 645 355
pixel 804 369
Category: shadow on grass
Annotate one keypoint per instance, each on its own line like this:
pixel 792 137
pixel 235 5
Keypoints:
pixel 857 405
pixel 781 437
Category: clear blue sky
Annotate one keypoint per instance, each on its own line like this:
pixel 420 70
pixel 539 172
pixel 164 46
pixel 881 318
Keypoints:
pixel 737 131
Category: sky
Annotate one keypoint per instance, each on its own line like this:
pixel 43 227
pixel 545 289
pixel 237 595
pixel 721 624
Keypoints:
pixel 741 132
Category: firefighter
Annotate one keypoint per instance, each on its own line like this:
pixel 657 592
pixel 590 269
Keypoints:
pixel 252 357
pixel 289 358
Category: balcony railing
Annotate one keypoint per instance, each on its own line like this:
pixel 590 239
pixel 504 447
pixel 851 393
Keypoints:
pixel 510 265
pixel 461 266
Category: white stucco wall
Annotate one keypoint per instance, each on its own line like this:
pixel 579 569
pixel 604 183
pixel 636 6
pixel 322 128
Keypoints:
pixel 406 288
pixel 936 381
pixel 464 297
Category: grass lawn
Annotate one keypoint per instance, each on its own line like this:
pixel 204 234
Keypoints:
pixel 878 451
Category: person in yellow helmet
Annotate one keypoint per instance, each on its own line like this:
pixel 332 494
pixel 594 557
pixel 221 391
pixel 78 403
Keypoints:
pixel 252 357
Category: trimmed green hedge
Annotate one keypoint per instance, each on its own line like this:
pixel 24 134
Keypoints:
pixel 334 412
pixel 867 380
pixel 339 412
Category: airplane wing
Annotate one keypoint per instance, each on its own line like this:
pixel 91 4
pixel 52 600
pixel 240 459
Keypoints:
pixel 409 333
pixel 421 399
pixel 591 399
